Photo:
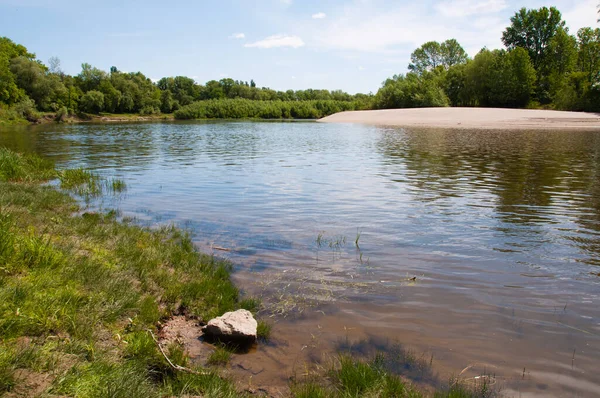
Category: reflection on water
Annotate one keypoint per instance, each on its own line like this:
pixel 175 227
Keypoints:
pixel 476 246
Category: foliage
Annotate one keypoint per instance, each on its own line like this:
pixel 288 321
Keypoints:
pixel 412 91
pixel 244 109
pixel 433 54
pixel 92 102
pixel 26 109
pixel 533 30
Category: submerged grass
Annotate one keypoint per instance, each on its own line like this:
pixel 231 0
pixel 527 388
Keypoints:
pixel 349 377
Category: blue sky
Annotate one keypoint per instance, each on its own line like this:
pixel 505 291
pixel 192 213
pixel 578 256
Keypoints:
pixel 351 45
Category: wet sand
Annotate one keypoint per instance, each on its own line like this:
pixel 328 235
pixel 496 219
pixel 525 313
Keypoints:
pixel 480 118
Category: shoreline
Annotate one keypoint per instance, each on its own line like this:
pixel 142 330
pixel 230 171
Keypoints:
pixel 135 296
pixel 471 118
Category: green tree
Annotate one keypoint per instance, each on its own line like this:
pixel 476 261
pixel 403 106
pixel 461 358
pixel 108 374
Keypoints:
pixel 501 78
pixel 112 96
pixel 433 54
pixel 44 88
pixel 588 59
pixel 412 91
pixel 562 60
pixel 92 102
pixel 9 91
pixel 167 104
pixel 533 30
pixel 90 77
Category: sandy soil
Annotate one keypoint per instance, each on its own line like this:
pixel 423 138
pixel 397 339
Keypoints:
pixel 481 118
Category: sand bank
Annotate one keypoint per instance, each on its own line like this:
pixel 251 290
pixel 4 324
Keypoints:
pixel 480 118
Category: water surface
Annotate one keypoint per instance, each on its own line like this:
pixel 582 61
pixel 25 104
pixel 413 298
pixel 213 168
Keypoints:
pixel 473 246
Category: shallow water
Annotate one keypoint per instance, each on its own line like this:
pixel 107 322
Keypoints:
pixel 474 247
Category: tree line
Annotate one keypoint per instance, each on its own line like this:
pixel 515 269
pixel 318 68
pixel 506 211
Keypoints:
pixel 27 86
pixel 542 65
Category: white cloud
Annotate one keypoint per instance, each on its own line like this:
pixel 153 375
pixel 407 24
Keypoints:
pixel 581 15
pixel 463 8
pixel 361 68
pixel 286 2
pixel 276 41
pixel 237 36
pixel 398 30
pixel 319 15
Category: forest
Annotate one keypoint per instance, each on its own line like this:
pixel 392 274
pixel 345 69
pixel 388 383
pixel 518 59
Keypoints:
pixel 543 65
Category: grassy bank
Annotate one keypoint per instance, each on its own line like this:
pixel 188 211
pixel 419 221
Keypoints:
pixel 78 293
pixel 83 294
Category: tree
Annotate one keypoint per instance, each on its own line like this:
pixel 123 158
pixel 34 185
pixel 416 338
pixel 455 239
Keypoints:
pixel 426 57
pixel 90 77
pixel 453 53
pixel 433 54
pixel 501 78
pixel 412 91
pixel 54 66
pixel 588 59
pixel 46 89
pixel 10 92
pixel 533 30
pixel 562 59
pixel 92 102
pixel 112 96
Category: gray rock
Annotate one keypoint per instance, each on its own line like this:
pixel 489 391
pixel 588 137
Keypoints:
pixel 232 326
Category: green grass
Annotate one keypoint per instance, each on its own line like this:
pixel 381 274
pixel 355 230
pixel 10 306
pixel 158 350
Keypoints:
pixel 220 356
pixel 79 292
pixel 9 117
pixel 349 377
pixel 24 168
pixel 263 330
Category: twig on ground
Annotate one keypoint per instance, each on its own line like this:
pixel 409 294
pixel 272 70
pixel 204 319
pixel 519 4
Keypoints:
pixel 174 366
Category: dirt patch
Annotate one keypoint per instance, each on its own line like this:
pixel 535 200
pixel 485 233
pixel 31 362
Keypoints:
pixel 187 333
pixel 30 384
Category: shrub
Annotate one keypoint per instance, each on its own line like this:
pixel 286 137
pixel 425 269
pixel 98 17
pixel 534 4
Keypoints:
pixel 92 102
pixel 26 109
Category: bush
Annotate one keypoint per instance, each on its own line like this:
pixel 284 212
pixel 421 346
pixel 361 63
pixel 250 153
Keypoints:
pixel 92 102
pixel 26 109
pixel 61 114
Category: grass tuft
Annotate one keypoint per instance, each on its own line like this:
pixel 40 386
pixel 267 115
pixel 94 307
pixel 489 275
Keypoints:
pixel 220 356
pixel 24 168
pixel 263 330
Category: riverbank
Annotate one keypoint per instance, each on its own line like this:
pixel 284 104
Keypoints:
pixel 10 119
pixel 82 296
pixel 467 118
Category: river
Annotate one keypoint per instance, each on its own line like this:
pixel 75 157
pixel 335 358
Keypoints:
pixel 476 250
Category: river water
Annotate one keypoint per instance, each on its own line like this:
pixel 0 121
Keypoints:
pixel 476 250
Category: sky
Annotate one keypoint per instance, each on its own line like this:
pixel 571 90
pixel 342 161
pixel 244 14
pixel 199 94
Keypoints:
pixel 352 45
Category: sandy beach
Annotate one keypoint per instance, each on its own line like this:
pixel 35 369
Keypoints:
pixel 468 118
